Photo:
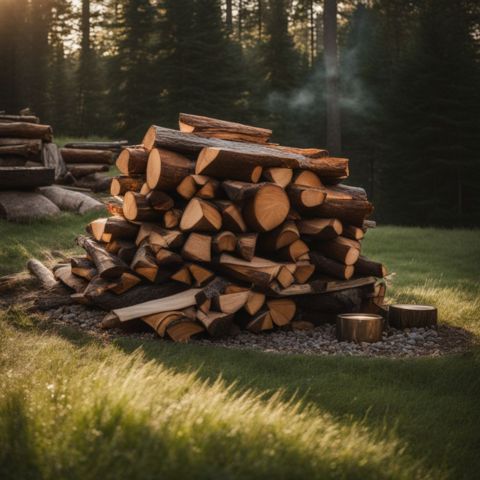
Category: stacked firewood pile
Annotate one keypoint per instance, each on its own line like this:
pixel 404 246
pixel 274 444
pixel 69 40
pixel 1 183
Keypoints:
pixel 29 160
pixel 213 229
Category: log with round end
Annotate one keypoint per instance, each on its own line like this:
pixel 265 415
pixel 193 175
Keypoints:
pixel 144 263
pixel 212 162
pixel 123 184
pixel 115 227
pixel 358 327
pixel 132 161
pixel 246 244
pixel 352 211
pixel 26 130
pixel 355 233
pixel 278 238
pixel 327 266
pixel 339 251
pixel 40 271
pixel 320 228
pixel 136 207
pixel 280 176
pixel 160 321
pixel 201 216
pixel 412 316
pixel 215 128
pixel 303 272
pixel 230 302
pixel 166 169
pixel 198 248
pixel 307 179
pixel 282 310
pixel 224 242
pixel 125 283
pixel 74 155
pixel 108 265
pixel 302 197
pixel 232 218
pixel 366 267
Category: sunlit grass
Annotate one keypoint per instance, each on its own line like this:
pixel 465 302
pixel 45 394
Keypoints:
pixel 95 412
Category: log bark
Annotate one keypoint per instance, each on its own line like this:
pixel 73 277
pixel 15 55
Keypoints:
pixel 217 324
pixel 26 130
pixel 71 201
pixel 214 128
pixel 164 238
pixel 294 251
pixel 132 161
pixel 23 177
pixel 171 219
pixel 79 170
pixel 166 169
pixel 108 265
pixel 230 162
pixel 357 327
pixel 345 301
pixel 160 201
pixel 122 184
pixel 83 267
pixel 42 273
pixel 12 161
pixel 265 205
pixel 355 233
pixel 18 118
pixel 20 206
pixel 95 182
pixel 412 316
pixel 366 267
pixel 76 155
pixel 331 267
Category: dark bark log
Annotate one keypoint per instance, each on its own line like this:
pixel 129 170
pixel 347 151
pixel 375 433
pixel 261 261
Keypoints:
pixel 122 184
pixel 27 148
pixel 132 161
pixel 331 267
pixel 166 169
pixel 367 267
pixel 412 316
pixel 79 170
pixel 26 130
pixel 246 244
pixel 76 155
pixel 359 327
pixel 23 177
pixel 18 118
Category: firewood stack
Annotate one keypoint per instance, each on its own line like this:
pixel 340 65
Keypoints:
pixel 213 229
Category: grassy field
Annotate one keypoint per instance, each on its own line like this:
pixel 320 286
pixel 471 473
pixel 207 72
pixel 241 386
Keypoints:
pixel 75 407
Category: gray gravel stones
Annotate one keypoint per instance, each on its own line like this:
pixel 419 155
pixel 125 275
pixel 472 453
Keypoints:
pixel 415 342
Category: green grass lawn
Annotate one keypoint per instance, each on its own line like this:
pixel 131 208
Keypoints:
pixel 74 407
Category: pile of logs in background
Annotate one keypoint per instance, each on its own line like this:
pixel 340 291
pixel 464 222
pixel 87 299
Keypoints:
pixel 214 229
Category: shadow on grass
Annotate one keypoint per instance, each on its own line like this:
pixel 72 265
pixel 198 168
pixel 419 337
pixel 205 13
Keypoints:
pixel 431 403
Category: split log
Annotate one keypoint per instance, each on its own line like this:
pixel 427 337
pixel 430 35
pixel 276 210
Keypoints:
pixel 261 322
pixel 167 259
pixel 278 238
pixel 224 242
pixel 171 218
pixel 355 233
pixel 198 185
pixel 246 244
pixel 122 184
pixel 132 161
pixel 20 206
pixel 79 170
pixel 214 128
pixel 306 152
pixel 112 228
pixel 23 177
pixel 126 282
pixel 83 267
pixel 255 302
pixel 217 324
pixel 18 118
pixel 227 161
pixel 108 265
pixel 303 271
pixel 412 316
pixel 44 275
pixel 198 248
pixel 232 218
pixel 200 216
pixel 160 321
pixel 95 182
pixel 307 179
pixel 136 207
pixel 303 197
pixel 159 237
pixel 266 206
pixel 282 310
pixel 320 228
pixel 230 302
pixel 160 201
pixel 144 263
pixel 367 267
pixel 285 277
pixel 294 251
pixel 279 176
pixel 355 327
pixel 200 275
pixel 213 289
pixel 71 201
pixel 26 130
pixel 139 294
pixel 165 169
pixel 174 302
pixel 65 275
pixel 331 267
pixel 75 155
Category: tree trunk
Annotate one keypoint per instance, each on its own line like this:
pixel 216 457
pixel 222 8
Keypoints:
pixel 412 316
pixel 123 183
pixel 20 206
pixel 358 327
pixel 23 177
pixel 76 155
pixel 332 79
pixel 26 130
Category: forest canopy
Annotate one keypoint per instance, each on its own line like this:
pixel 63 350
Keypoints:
pixel 409 75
